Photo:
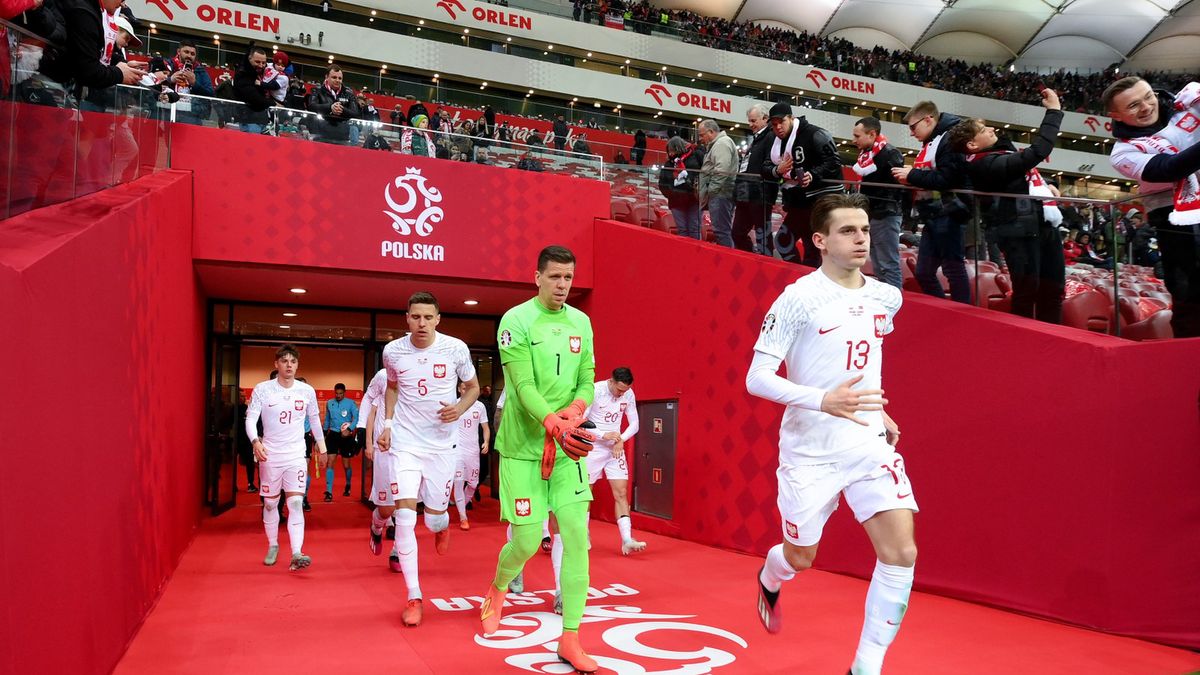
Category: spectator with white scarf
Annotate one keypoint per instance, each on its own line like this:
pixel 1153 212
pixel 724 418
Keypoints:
pixel 184 76
pixel 1156 145
pixel 1027 228
pixel 876 159
pixel 938 168
pixel 802 156
pixel 86 60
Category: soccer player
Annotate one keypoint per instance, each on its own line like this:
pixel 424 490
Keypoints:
pixel 614 400
pixel 384 492
pixel 828 327
pixel 341 416
pixel 466 469
pixel 283 403
pixel 423 369
pixel 546 353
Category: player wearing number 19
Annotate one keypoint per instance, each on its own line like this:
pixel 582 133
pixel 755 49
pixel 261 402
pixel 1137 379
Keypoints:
pixel 284 404
pixel 835 439
pixel 546 352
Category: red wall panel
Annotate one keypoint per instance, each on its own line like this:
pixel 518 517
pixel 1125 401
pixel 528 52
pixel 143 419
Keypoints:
pixel 1055 469
pixel 103 418
pixel 291 202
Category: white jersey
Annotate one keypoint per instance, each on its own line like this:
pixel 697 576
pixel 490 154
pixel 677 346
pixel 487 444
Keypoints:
pixel 426 378
pixel 1129 157
pixel 283 411
pixel 827 334
pixel 468 428
pixel 606 412
pixel 373 398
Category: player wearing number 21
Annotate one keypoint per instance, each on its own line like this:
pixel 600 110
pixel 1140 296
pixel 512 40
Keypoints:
pixel 835 439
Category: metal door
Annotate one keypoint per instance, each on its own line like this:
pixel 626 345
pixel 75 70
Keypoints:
pixel 223 420
pixel 654 470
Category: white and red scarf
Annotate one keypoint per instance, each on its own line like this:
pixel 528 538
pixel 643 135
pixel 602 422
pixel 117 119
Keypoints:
pixel 1037 188
pixel 865 166
pixel 1177 136
pixel 927 159
pixel 109 22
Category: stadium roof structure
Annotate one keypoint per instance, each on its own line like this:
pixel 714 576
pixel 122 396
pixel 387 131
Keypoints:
pixel 1044 35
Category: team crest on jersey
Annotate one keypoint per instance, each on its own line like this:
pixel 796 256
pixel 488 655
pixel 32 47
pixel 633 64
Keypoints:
pixel 792 530
pixel 523 507
pixel 475 414
pixel 576 344
pixel 624 406
pixel 395 489
pixel 439 370
pixel 768 323
pixel 1188 123
pixel 382 495
pixel 880 325
pixel 505 338
pixel 299 405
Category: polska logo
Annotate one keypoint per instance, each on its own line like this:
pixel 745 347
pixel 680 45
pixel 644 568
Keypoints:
pixel 657 92
pixel 450 5
pixel 576 343
pixel 162 6
pixel 881 324
pixel 523 507
pixel 414 188
pixel 817 77
pixel 439 370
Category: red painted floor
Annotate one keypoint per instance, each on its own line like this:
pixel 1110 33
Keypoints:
pixel 678 608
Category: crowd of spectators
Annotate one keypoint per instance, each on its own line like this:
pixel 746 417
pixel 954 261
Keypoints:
pixel 1079 92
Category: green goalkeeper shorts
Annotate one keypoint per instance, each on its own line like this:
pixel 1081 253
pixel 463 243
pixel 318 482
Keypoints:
pixel 526 498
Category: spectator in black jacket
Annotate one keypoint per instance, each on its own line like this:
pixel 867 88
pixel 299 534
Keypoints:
pixel 638 151
pixel 91 36
pixel 415 107
pixel 876 159
pixel 802 156
pixel 185 75
pixel 560 133
pixel 941 168
pixel 336 104
pixel 677 180
pixel 248 88
pixel 1027 228
pixel 752 195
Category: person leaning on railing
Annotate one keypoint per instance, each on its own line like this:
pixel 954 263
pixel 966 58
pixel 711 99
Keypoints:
pixel 1027 228
pixel 89 40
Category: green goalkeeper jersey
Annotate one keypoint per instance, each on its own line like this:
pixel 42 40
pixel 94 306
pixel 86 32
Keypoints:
pixel 548 362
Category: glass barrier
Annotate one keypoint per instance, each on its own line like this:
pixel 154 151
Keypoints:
pixel 65 142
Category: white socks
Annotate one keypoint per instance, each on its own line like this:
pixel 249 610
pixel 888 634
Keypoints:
pixel 556 552
pixel 437 523
pixel 271 519
pixel 460 501
pixel 406 549
pixel 295 522
pixel 887 600
pixel 625 527
pixel 776 570
pixel 378 522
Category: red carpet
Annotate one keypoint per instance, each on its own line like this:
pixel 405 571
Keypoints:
pixel 677 608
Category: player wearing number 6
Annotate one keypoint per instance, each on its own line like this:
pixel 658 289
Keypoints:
pixel 284 404
pixel 835 439
pixel 546 352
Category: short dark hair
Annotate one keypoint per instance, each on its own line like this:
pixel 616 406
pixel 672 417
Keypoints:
pixel 823 209
pixel 558 254
pixel 333 68
pixel 255 49
pixel 870 124
pixel 1121 85
pixel 186 42
pixel 962 133
pixel 921 109
pixel 623 375
pixel 339 385
pixel 273 374
pixel 287 349
pixel 424 298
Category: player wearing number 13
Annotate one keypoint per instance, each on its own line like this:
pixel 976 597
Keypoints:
pixel 546 352
pixel 835 439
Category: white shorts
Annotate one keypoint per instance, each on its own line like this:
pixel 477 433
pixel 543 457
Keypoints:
pixel 289 476
pixel 467 468
pixel 385 489
pixel 601 461
pixel 427 476
pixel 809 494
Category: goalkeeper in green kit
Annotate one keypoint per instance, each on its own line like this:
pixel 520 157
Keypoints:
pixel 549 369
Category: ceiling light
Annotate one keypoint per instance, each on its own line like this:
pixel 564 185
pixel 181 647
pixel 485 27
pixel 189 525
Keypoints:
pixel 289 314
pixel 735 80
pixel 627 61
pixel 664 67
pixel 298 290
pixel 768 86
pixel 466 30
pixel 531 91
pixel 549 46
pixel 589 54
pixel 284 326
pixel 699 74
pixel 153 26
pixel 510 39
pixel 472 303
pixel 422 22
pixel 372 12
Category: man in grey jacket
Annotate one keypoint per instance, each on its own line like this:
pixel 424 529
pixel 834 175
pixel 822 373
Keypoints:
pixel 717 178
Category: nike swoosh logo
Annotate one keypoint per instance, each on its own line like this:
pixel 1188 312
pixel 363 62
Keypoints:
pixel 893 623
pixel 272 405
pixel 534 344
pixel 579 492
pixel 900 496
pixel 404 553
pixel 401 372
pixel 827 330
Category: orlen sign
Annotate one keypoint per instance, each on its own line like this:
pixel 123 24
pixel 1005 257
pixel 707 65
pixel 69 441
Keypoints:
pixel 487 15
pixel 688 101
pixel 222 16
pixel 840 83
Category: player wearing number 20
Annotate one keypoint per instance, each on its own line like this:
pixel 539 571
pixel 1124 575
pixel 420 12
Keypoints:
pixel 835 439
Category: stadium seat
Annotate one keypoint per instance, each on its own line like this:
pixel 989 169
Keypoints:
pixel 990 294
pixel 665 222
pixel 641 214
pixel 1089 311
pixel 1163 297
pixel 908 270
pixel 620 209
pixel 1156 327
